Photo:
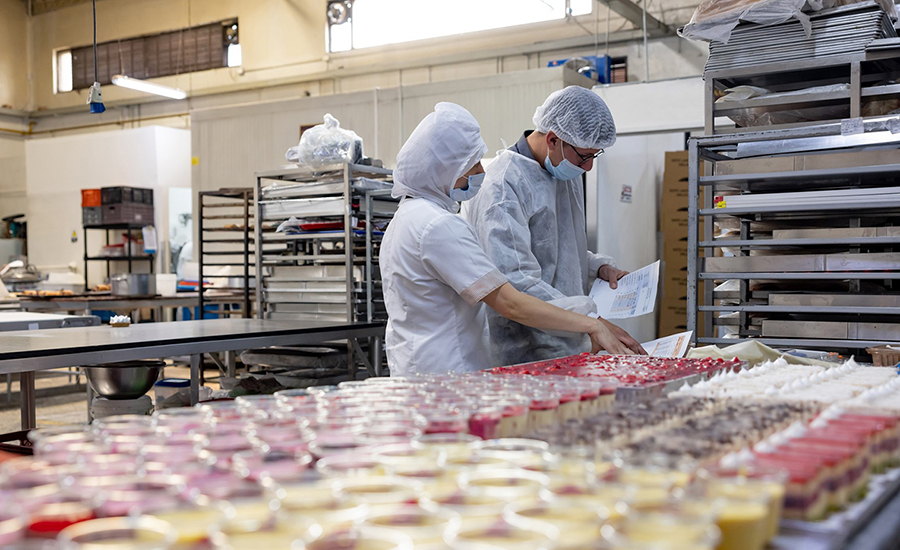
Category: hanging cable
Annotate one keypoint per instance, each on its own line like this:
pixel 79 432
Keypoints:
pixel 95 99
pixel 96 72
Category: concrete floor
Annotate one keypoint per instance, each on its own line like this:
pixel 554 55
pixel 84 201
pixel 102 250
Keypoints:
pixel 68 405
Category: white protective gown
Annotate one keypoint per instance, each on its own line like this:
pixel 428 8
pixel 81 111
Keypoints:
pixel 434 272
pixel 533 228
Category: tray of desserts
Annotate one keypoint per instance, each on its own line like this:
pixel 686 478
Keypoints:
pixel 639 376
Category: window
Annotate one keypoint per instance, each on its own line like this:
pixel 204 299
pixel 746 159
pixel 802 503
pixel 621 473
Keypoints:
pixel 618 70
pixel 354 24
pixel 201 48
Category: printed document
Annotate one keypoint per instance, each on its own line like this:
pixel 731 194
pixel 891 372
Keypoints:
pixel 635 295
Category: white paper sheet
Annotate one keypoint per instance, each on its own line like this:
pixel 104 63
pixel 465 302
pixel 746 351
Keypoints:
pixel 675 345
pixel 635 295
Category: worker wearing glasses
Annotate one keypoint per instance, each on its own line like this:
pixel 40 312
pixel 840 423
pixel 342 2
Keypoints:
pixel 529 218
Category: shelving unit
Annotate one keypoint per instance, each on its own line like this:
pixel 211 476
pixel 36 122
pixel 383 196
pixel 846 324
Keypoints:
pixel 326 274
pixel 226 240
pixel 109 259
pixel 867 73
pixel 779 303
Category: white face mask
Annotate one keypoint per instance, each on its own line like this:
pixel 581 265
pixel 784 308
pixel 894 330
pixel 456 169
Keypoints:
pixel 459 194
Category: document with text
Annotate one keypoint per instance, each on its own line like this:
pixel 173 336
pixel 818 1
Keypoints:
pixel 635 295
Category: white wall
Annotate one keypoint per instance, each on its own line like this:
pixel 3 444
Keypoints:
pixel 231 143
pixel 628 231
pixel 58 168
pixel 12 174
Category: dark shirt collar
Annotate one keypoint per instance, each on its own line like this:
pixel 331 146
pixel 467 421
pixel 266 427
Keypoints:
pixel 521 146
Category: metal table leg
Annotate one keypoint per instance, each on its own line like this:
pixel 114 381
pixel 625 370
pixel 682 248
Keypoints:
pixel 230 364
pixel 196 360
pixel 90 400
pixel 26 392
pixel 376 353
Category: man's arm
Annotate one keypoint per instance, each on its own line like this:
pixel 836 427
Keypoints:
pixel 506 237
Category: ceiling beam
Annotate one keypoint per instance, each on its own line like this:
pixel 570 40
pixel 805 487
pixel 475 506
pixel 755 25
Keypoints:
pixel 634 13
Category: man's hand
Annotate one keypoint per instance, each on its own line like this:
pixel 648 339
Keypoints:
pixel 603 339
pixel 624 338
pixel 611 275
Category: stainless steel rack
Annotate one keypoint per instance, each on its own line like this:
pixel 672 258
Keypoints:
pixel 226 240
pixel 330 271
pixel 771 296
pixel 782 59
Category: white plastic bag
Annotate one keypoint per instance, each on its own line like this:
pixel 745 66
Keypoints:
pixel 326 143
pixel 715 19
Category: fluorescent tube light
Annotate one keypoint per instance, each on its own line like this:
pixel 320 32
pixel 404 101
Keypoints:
pixel 148 87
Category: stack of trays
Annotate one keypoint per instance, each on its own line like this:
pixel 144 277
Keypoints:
pixel 841 31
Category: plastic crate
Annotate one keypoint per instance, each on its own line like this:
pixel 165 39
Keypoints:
pixel 90 197
pixel 122 195
pixel 91 215
pixel 885 356
pixel 128 213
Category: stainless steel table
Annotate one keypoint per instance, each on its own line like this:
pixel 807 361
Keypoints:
pixel 26 352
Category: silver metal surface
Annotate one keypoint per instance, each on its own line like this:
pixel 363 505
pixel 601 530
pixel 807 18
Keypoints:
pixel 31 321
pixel 848 253
pixel 133 284
pixel 772 243
pixel 128 380
pixel 29 351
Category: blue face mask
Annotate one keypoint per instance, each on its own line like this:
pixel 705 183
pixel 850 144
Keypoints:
pixel 565 170
pixel 474 184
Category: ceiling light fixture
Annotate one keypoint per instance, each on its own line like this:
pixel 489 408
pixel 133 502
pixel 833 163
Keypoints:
pixel 148 87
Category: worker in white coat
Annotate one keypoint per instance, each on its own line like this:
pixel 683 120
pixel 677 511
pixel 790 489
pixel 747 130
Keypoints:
pixel 529 218
pixel 436 277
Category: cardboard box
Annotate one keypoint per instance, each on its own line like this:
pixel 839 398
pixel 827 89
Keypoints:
pixel 672 319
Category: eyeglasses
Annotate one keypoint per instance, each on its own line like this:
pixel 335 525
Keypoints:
pixel 584 158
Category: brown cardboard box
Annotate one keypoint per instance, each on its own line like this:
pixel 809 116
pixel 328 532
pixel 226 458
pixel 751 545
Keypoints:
pixel 674 287
pixel 672 319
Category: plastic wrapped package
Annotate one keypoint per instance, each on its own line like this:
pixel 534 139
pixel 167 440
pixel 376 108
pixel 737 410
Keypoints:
pixel 715 19
pixel 765 116
pixel 325 144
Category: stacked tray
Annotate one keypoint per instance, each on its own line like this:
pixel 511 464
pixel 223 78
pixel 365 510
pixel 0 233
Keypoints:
pixel 639 376
pixel 836 32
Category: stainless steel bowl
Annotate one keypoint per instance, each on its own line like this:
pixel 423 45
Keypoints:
pixel 128 380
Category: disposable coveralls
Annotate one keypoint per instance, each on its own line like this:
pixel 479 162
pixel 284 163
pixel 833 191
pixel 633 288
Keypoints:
pixel 434 272
pixel 533 228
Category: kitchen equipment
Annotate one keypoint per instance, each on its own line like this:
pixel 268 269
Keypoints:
pixel 19 272
pixel 133 284
pixel 126 380
pixel 20 320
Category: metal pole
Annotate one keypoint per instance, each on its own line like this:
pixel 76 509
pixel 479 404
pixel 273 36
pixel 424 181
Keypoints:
pixel 90 400
pixel 693 197
pixel 258 249
pixel 646 47
pixel 196 360
pixel 200 254
pixel 26 394
pixel 246 197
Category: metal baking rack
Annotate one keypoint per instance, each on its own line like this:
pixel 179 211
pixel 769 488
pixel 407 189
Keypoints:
pixel 225 240
pixel 804 289
pixel 326 266
pixel 781 58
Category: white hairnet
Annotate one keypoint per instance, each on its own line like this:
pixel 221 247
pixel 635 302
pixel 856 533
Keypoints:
pixel 578 116
pixel 443 147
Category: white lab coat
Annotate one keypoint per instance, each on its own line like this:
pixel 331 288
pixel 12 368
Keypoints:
pixel 532 227
pixel 435 275
pixel 433 270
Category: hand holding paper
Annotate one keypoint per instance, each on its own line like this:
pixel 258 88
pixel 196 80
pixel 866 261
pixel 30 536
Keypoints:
pixel 635 295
